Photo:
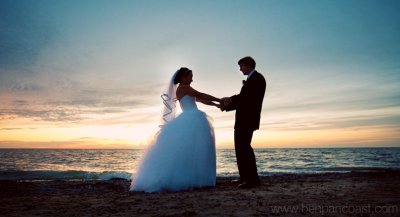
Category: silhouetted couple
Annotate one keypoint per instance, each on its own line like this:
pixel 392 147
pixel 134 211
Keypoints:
pixel 182 155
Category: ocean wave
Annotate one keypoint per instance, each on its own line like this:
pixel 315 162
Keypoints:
pixel 110 175
pixel 38 164
pixel 356 169
pixel 63 175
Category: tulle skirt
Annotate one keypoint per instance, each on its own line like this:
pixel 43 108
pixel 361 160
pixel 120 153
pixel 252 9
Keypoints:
pixel 181 157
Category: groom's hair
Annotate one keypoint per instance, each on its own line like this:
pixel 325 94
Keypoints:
pixel 248 61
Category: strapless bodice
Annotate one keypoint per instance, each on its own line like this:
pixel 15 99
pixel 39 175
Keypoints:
pixel 188 103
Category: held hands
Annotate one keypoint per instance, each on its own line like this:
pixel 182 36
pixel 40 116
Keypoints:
pixel 224 103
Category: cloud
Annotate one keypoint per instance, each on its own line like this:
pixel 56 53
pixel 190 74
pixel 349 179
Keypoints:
pixel 11 128
pixel 79 143
pixel 335 121
pixel 345 106
pixel 77 102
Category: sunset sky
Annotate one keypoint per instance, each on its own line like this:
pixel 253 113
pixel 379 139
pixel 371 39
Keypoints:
pixel 89 73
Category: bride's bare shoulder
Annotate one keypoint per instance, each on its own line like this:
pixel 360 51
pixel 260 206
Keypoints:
pixel 180 92
pixel 183 90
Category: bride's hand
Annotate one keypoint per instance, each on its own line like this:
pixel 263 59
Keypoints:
pixel 220 106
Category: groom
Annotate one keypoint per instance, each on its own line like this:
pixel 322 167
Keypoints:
pixel 248 104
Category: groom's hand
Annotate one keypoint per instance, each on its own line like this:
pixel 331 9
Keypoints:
pixel 222 104
pixel 225 102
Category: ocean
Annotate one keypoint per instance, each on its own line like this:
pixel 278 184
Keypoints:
pixel 71 164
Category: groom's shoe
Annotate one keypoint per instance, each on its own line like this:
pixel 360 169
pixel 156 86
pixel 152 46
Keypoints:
pixel 247 185
pixel 237 182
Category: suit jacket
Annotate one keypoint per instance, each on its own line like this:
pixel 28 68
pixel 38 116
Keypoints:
pixel 248 103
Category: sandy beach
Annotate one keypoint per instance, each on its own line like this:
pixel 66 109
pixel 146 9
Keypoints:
pixel 335 194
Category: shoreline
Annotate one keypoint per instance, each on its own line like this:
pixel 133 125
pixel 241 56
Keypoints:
pixel 78 175
pixel 329 194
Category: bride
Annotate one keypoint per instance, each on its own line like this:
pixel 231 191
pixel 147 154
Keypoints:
pixel 182 155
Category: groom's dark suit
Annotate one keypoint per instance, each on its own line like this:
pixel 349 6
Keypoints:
pixel 248 105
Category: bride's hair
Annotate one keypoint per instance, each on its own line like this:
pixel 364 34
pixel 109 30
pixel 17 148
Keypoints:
pixel 181 72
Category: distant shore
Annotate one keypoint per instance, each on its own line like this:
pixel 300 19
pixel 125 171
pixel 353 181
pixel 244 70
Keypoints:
pixel 333 194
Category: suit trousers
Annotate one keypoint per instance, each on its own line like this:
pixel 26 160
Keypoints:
pixel 245 157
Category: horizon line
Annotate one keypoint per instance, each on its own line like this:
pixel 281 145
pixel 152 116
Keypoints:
pixel 140 148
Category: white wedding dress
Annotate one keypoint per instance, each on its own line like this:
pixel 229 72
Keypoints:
pixel 182 155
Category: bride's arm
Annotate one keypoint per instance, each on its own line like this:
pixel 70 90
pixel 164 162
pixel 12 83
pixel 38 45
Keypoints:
pixel 201 97
pixel 208 102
